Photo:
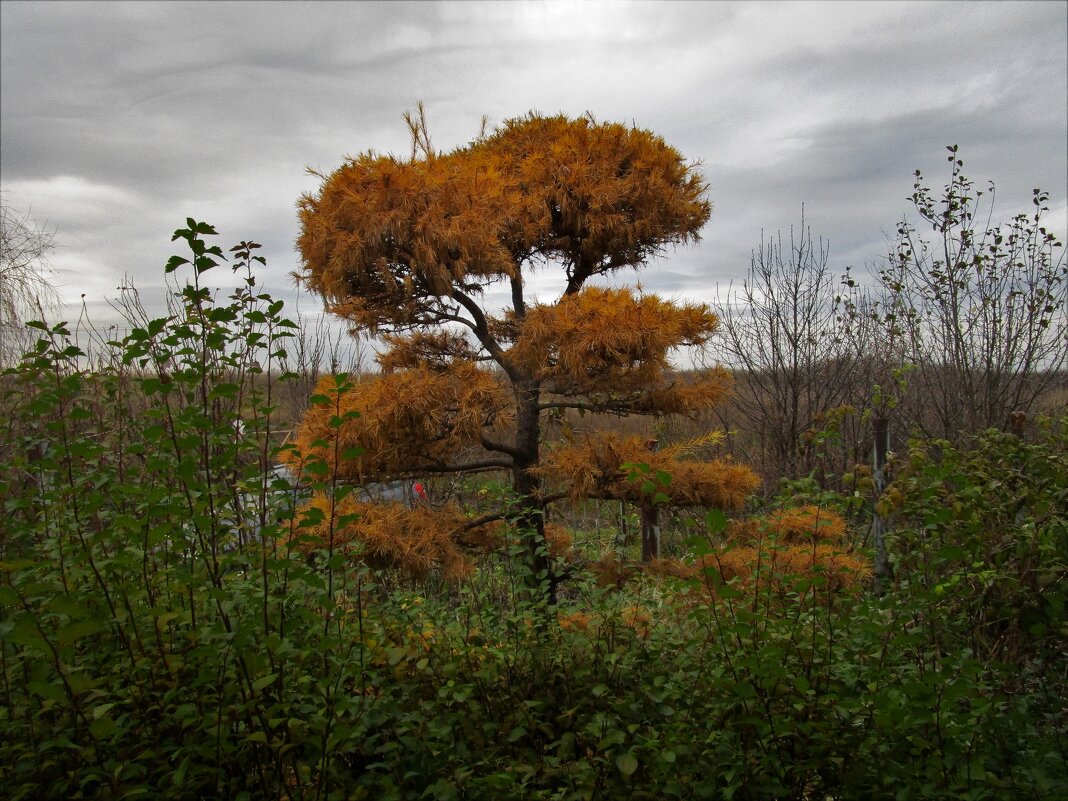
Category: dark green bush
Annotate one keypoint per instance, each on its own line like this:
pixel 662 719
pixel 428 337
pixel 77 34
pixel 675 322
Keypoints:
pixel 982 535
pixel 159 637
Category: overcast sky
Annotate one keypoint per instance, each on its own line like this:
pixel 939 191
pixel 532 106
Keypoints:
pixel 119 120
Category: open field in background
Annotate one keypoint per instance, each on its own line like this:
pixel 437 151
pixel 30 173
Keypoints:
pixel 830 450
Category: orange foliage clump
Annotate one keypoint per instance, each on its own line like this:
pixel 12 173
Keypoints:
pixel 385 238
pixel 559 541
pixel 575 621
pixel 595 468
pixel 685 397
pixel 600 339
pixel 638 619
pixel 805 541
pixel 842 570
pixel 417 541
pixel 806 524
pixel 435 349
pixel 493 537
pixel 600 195
pixel 408 420
pixel 667 568
pixel 612 572
pixel 384 235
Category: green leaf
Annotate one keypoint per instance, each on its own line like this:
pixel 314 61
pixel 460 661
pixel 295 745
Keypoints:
pixel 627 763
pixel 566 748
pixel 79 629
pixel 51 691
pixel 614 737
pixel 103 728
pixel 81 682
pixel 179 775
pixel 716 521
pixel 158 325
pixel 101 710
pixel 25 633
pixel 173 263
pixel 263 681
pixel 12 565
pixel 518 733
pixel 441 790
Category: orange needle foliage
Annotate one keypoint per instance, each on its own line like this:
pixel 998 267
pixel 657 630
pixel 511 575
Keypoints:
pixel 389 535
pixel 409 421
pixel 385 240
pixel 601 339
pixel 407 248
pixel 595 468
pixel 790 542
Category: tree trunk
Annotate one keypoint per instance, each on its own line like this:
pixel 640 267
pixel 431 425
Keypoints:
pixel 650 518
pixel 530 517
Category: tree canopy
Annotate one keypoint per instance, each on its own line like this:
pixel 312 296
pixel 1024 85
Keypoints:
pixel 407 249
pixel 396 244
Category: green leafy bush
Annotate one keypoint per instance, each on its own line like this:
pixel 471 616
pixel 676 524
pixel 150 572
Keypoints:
pixel 162 636
pixel 982 535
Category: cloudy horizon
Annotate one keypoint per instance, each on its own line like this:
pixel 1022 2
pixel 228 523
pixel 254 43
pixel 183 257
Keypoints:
pixel 119 120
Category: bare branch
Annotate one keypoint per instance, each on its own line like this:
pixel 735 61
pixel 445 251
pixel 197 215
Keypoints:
pixel 25 291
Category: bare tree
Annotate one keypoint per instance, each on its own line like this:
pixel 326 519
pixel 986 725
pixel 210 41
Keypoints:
pixel 980 311
pixel 794 362
pixel 25 291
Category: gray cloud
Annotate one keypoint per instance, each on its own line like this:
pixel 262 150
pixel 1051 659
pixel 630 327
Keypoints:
pixel 121 119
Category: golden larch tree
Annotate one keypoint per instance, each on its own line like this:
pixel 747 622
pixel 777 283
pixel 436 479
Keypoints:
pixel 407 249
